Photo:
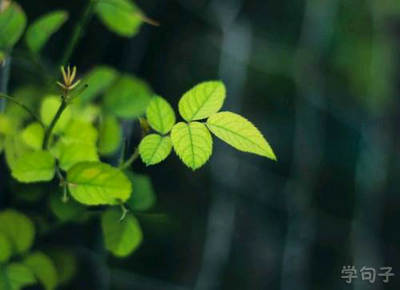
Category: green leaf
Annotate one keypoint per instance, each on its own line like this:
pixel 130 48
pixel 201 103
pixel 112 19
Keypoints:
pixel 66 264
pixel 239 133
pixel 203 100
pixel 16 276
pixel 5 248
pixel 33 136
pixel 143 196
pixel 121 237
pixel 95 183
pixel 70 154
pixel 66 211
pixel 154 148
pixel 192 143
pixel 43 268
pixel 120 16
pixel 48 110
pixel 18 229
pixel 128 97
pixel 34 167
pixel 79 131
pixel 42 29
pixel 12 25
pixel 98 80
pixel 160 115
pixel 14 148
pixel 110 135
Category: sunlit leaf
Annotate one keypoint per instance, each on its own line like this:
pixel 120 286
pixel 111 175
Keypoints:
pixel 95 183
pixel 120 16
pixel 43 268
pixel 160 115
pixel 110 135
pixel 202 100
pixel 33 135
pixel 49 109
pixel 34 167
pixel 154 148
pixel 42 29
pixel 239 133
pixel 128 97
pixel 120 237
pixel 97 81
pixel 143 196
pixel 14 148
pixel 192 143
pixel 12 25
pixel 18 229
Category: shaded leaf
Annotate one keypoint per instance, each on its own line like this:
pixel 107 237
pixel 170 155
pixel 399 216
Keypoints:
pixel 43 268
pixel 143 196
pixel 192 143
pixel 98 80
pixel 66 211
pixel 110 135
pixel 16 276
pixel 12 25
pixel 5 248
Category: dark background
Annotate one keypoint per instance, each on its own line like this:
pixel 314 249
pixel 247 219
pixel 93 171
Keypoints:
pixel 320 78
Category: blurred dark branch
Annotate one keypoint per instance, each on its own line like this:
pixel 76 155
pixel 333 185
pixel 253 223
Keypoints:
pixel 4 77
pixel 308 143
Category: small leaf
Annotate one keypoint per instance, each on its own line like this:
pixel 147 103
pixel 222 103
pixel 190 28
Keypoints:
pixel 43 268
pixel 160 115
pixel 121 237
pixel 70 154
pixel 95 183
pixel 239 133
pixel 128 97
pixel 80 131
pixel 34 167
pixel 14 148
pixel 120 16
pixel 143 196
pixel 66 264
pixel 110 135
pixel 192 143
pixel 98 80
pixel 5 248
pixel 12 25
pixel 203 100
pixel 18 229
pixel 42 29
pixel 48 110
pixel 33 135
pixel 17 276
pixel 66 211
pixel 154 148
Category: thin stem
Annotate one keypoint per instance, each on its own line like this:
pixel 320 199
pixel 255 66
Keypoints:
pixel 78 31
pixel 131 159
pixel 53 123
pixel 11 99
pixel 4 77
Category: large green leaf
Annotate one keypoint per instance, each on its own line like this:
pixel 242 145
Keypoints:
pixel 98 80
pixel 18 229
pixel 143 196
pixel 5 248
pixel 120 16
pixel 43 268
pixel 34 167
pixel 110 135
pixel 239 133
pixel 160 115
pixel 128 97
pixel 202 100
pixel 42 29
pixel 12 25
pixel 95 183
pixel 49 109
pixel 80 131
pixel 121 237
pixel 154 148
pixel 192 143
pixel 16 276
pixel 33 135
pixel 70 154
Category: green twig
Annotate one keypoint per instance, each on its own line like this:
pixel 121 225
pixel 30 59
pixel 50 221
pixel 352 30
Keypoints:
pixel 78 31
pixel 11 99
pixel 53 123
pixel 131 159
pixel 124 212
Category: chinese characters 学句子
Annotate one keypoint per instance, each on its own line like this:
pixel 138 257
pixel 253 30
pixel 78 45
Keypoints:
pixel 349 273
